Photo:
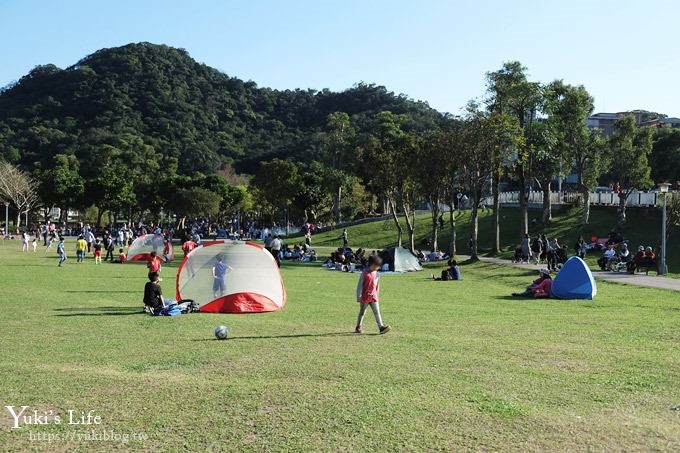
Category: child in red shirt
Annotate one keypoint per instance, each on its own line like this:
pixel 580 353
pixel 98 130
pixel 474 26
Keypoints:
pixel 122 256
pixel 154 263
pixel 368 294
pixel 188 246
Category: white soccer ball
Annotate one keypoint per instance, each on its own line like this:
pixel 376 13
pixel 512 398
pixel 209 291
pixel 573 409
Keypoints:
pixel 221 332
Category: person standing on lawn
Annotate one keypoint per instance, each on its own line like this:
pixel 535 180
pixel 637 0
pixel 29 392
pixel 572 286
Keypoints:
pixel 61 251
pixel 154 263
pixel 368 294
pixel 81 248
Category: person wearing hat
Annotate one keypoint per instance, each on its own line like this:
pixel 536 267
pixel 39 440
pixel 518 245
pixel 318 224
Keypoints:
pixel 539 288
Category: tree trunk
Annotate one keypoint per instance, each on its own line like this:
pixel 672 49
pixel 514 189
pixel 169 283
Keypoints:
pixel 623 198
pixel 384 204
pixel 410 225
pixel 496 239
pixel 474 227
pixel 586 205
pixel 18 223
pixel 434 210
pixel 547 205
pixel 337 199
pixel 523 204
pixel 452 222
pixel 395 217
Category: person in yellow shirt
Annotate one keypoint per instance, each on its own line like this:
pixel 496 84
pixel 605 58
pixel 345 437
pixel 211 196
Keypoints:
pixel 81 249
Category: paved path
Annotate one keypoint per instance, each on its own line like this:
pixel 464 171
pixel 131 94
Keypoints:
pixel 651 281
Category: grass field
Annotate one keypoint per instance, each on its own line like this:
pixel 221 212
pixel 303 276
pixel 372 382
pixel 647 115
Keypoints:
pixel 466 367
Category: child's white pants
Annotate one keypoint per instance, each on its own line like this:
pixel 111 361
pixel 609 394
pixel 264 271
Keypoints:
pixel 376 312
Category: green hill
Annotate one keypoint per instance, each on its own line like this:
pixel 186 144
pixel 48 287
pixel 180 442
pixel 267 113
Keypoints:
pixel 643 228
pixel 182 108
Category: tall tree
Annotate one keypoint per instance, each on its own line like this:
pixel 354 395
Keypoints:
pixel 61 185
pixel 569 107
pixel 338 144
pixel 382 153
pixel 483 134
pixel 511 93
pixel 278 182
pixel 19 188
pixel 547 162
pixel 630 150
pixel 435 166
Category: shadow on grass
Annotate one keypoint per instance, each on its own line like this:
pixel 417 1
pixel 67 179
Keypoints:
pixel 104 291
pixel 100 311
pixel 301 335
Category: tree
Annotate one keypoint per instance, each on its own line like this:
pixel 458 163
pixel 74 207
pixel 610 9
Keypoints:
pixel 434 166
pixel 482 135
pixel 18 188
pixel 383 153
pixel 337 144
pixel 312 197
pixel 630 149
pixel 665 156
pixel 195 201
pixel 585 150
pixel 513 94
pixel 61 185
pixel 278 182
pixel 547 162
pixel 672 213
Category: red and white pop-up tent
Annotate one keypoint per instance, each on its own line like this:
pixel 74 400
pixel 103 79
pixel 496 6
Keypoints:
pixel 141 248
pixel 252 284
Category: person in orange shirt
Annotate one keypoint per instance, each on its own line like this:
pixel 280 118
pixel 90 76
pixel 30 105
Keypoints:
pixel 368 294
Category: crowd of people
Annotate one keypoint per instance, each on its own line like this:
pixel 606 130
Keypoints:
pixel 540 250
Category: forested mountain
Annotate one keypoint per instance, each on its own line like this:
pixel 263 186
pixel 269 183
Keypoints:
pixel 158 99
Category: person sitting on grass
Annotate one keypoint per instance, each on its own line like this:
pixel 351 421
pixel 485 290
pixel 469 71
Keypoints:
pixel 153 295
pixel 539 288
pixel 452 272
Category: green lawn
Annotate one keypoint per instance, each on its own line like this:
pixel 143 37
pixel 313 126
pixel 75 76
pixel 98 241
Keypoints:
pixel 466 367
pixel 643 228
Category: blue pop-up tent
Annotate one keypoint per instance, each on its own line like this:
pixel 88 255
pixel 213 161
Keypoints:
pixel 574 281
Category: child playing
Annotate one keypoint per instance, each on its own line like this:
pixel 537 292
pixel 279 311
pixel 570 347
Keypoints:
pixel 35 244
pixel 154 263
pixel 81 247
pixel 219 271
pixel 61 251
pixel 167 250
pixel 368 292
pixel 122 256
pixel 97 252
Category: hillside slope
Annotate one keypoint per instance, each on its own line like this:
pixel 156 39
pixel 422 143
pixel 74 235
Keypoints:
pixel 644 228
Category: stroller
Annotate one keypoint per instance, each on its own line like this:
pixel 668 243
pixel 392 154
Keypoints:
pixel 618 263
pixel 519 257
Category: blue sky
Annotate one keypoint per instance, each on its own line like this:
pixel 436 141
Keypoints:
pixel 626 53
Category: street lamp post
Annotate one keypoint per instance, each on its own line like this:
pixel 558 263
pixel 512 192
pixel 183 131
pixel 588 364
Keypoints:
pixel 663 269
